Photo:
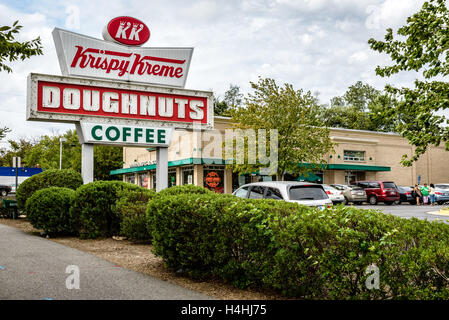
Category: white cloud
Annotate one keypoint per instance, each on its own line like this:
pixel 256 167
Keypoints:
pixel 317 45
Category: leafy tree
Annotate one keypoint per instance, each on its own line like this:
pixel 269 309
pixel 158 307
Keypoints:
pixel 419 46
pixel 295 115
pixel 44 152
pixel 16 149
pixel 11 50
pixel 107 158
pixel 3 132
pixel 232 98
pixel 362 107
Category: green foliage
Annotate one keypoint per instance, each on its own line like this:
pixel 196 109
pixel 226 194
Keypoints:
pixel 3 132
pixel 48 209
pixel 362 107
pixel 44 152
pixel 420 46
pixel 301 251
pixel 232 99
pixel 93 208
pixel 16 149
pixel 131 206
pixel 187 188
pixel 295 115
pixel 48 178
pixel 12 50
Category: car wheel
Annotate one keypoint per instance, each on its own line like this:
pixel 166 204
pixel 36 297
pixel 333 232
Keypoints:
pixel 373 200
pixel 440 203
pixel 345 202
pixel 388 203
pixel 4 193
pixel 358 203
pixel 412 202
pixel 397 202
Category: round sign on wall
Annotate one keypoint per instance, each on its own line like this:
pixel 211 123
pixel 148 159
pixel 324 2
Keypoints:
pixel 212 179
pixel 126 30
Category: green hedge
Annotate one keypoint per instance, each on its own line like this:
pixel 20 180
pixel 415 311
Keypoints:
pixel 185 189
pixel 94 208
pixel 300 251
pixel 48 209
pixel 49 178
pixel 131 206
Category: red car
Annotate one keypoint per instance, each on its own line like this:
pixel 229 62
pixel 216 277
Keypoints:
pixel 379 191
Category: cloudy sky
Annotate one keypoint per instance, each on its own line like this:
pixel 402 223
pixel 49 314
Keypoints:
pixel 316 45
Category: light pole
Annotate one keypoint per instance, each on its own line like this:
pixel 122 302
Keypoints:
pixel 61 140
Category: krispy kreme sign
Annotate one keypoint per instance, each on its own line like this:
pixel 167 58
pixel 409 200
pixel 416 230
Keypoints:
pixel 72 99
pixel 85 56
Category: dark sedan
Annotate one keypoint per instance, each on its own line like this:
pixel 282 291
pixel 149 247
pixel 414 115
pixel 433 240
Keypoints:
pixel 405 194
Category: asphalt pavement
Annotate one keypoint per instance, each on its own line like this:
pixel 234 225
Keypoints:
pixel 427 212
pixel 35 268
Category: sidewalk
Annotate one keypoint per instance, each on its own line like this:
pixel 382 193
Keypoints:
pixel 35 268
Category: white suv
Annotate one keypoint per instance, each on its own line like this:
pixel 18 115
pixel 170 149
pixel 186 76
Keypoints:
pixel 308 194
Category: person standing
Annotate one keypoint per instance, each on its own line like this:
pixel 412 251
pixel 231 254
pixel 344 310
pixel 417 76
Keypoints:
pixel 432 194
pixel 425 193
pixel 416 193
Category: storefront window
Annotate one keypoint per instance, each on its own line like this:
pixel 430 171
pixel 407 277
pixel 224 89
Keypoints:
pixel 214 178
pixel 171 178
pixel 130 178
pixel 143 179
pixel 153 179
pixel 187 175
pixel 351 155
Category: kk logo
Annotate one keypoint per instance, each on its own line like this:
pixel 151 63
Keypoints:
pixel 127 30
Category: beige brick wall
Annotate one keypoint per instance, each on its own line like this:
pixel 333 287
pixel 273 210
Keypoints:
pixel 381 149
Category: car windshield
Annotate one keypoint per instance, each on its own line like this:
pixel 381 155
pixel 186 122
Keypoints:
pixel 336 186
pixel 389 185
pixel 442 186
pixel 307 193
pixel 356 188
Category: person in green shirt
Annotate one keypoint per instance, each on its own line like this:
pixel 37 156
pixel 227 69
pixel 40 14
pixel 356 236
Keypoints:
pixel 425 193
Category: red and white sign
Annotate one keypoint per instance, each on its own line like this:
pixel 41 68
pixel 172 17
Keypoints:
pixel 71 99
pixel 85 56
pixel 126 30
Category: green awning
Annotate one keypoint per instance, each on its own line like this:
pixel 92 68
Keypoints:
pixel 310 177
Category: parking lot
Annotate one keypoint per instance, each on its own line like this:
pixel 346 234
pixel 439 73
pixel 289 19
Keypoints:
pixel 430 213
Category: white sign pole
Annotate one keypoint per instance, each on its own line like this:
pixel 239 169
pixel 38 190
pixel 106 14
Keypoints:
pixel 87 162
pixel 161 168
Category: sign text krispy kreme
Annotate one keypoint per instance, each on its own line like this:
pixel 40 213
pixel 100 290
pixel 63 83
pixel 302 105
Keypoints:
pixel 81 55
pixel 73 99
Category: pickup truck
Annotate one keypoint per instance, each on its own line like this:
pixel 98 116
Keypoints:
pixel 4 190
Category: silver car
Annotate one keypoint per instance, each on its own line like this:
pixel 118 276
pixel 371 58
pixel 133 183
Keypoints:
pixel 352 194
pixel 308 194
pixel 441 193
pixel 334 194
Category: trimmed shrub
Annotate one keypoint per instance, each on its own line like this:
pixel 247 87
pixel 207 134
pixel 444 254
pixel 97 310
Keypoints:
pixel 93 208
pixel 131 206
pixel 49 178
pixel 185 189
pixel 301 251
pixel 48 209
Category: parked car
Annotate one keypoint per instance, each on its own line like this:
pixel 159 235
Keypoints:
pixel 441 193
pixel 379 191
pixel 405 195
pixel 4 190
pixel 352 194
pixel 309 194
pixel 334 194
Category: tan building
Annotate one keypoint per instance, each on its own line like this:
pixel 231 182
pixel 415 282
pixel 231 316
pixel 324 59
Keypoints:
pixel 359 155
